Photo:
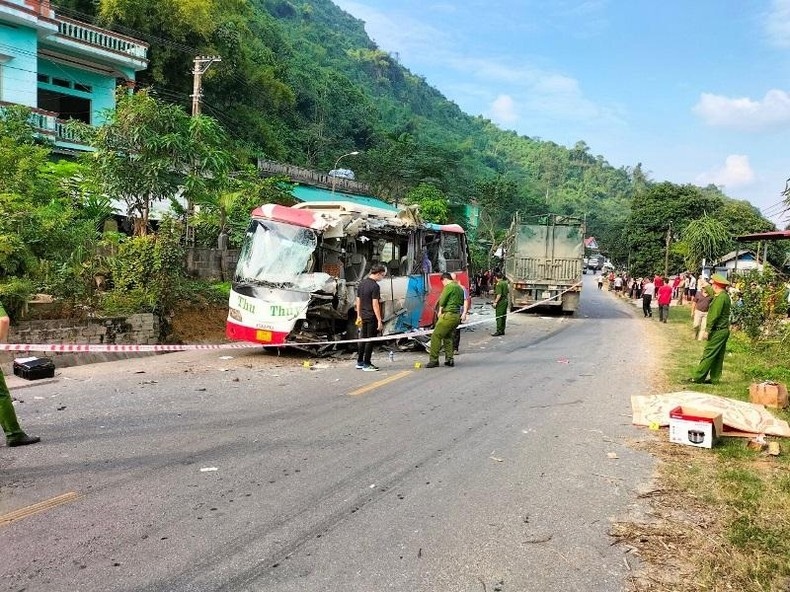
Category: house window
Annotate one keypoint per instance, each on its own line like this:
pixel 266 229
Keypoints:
pixel 86 88
pixel 43 78
pixel 66 106
pixel 61 82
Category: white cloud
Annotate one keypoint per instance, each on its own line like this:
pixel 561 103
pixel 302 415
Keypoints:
pixel 736 172
pixel 503 111
pixel 509 91
pixel 397 31
pixel 744 113
pixel 776 22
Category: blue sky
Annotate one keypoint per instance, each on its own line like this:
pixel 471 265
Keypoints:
pixel 698 91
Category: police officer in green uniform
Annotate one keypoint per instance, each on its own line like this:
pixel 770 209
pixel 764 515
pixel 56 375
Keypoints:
pixel 14 436
pixel 501 301
pixel 451 300
pixel 718 328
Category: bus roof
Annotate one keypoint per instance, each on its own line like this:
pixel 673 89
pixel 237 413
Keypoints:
pixel 327 214
pixel 445 227
pixel 316 220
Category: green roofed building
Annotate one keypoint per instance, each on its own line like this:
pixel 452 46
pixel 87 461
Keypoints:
pixel 306 194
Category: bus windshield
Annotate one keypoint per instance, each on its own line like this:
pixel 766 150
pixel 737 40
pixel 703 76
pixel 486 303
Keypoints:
pixel 275 253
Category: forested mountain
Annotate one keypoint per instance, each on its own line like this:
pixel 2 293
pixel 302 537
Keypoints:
pixel 302 83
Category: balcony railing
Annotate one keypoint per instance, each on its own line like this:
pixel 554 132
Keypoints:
pixel 47 125
pixel 102 38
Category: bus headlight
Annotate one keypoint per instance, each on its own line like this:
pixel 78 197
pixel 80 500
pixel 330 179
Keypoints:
pixel 234 314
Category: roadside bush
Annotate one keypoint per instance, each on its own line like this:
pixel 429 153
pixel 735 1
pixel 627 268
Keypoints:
pixel 760 306
pixel 14 294
pixel 147 271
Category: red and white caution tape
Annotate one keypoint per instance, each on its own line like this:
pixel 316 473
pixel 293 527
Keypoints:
pixel 136 348
pixel 104 348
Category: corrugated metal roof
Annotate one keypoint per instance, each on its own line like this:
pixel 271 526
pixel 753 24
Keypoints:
pixel 766 236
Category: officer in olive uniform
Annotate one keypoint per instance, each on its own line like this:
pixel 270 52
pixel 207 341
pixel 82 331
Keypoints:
pixel 501 301
pixel 718 329
pixel 451 300
pixel 14 436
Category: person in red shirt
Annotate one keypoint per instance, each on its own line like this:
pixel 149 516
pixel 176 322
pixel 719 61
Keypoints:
pixel 675 286
pixel 658 281
pixel 664 298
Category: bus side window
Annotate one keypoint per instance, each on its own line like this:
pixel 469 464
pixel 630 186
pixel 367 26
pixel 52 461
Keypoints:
pixel 432 247
pixel 451 252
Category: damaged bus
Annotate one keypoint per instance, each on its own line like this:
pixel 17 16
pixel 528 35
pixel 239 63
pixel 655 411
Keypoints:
pixel 299 267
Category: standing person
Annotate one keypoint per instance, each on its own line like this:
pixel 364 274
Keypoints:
pixel 14 436
pixel 369 315
pixel 464 315
pixel 664 300
pixel 676 285
pixel 618 285
pixel 682 287
pixel 600 280
pixel 717 326
pixel 691 287
pixel 501 291
pixel 648 291
pixel 451 301
pixel 699 309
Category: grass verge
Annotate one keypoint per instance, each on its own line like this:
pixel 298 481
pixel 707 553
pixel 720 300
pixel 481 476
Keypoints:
pixel 719 519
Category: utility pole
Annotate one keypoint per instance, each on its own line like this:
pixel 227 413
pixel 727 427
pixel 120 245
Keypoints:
pixel 666 250
pixel 201 65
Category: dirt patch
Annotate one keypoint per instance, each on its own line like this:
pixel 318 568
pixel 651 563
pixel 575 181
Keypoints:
pixel 199 325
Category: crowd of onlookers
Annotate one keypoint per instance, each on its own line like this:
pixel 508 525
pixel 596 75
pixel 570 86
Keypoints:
pixel 482 283
pixel 661 291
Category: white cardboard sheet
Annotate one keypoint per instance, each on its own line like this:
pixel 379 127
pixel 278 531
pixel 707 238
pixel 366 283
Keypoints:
pixel 738 416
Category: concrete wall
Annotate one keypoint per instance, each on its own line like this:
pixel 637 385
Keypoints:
pixel 135 329
pixel 18 47
pixel 211 264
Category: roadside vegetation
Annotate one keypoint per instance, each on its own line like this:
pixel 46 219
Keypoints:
pixel 719 519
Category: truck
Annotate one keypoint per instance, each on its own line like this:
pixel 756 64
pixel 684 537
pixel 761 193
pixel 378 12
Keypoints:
pixel 544 261
pixel 299 268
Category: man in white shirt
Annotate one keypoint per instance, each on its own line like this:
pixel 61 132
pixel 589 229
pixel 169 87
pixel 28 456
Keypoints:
pixel 691 287
pixel 648 291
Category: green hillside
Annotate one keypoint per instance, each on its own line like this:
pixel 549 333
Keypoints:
pixel 302 83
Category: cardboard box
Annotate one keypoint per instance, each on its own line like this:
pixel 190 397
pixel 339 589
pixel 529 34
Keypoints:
pixel 694 427
pixel 770 394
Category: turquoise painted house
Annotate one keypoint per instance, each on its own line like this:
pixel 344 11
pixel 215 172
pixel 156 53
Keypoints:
pixel 62 68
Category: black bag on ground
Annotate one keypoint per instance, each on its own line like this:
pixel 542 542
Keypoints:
pixel 34 368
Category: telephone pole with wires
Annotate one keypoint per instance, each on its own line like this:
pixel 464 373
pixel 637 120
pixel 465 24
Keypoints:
pixel 201 65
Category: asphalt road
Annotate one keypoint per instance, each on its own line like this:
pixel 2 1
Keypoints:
pixel 188 472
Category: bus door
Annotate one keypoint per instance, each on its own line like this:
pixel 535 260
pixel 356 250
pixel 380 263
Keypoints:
pixel 413 264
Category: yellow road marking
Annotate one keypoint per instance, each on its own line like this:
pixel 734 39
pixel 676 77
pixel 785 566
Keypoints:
pixel 39 507
pixel 378 383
